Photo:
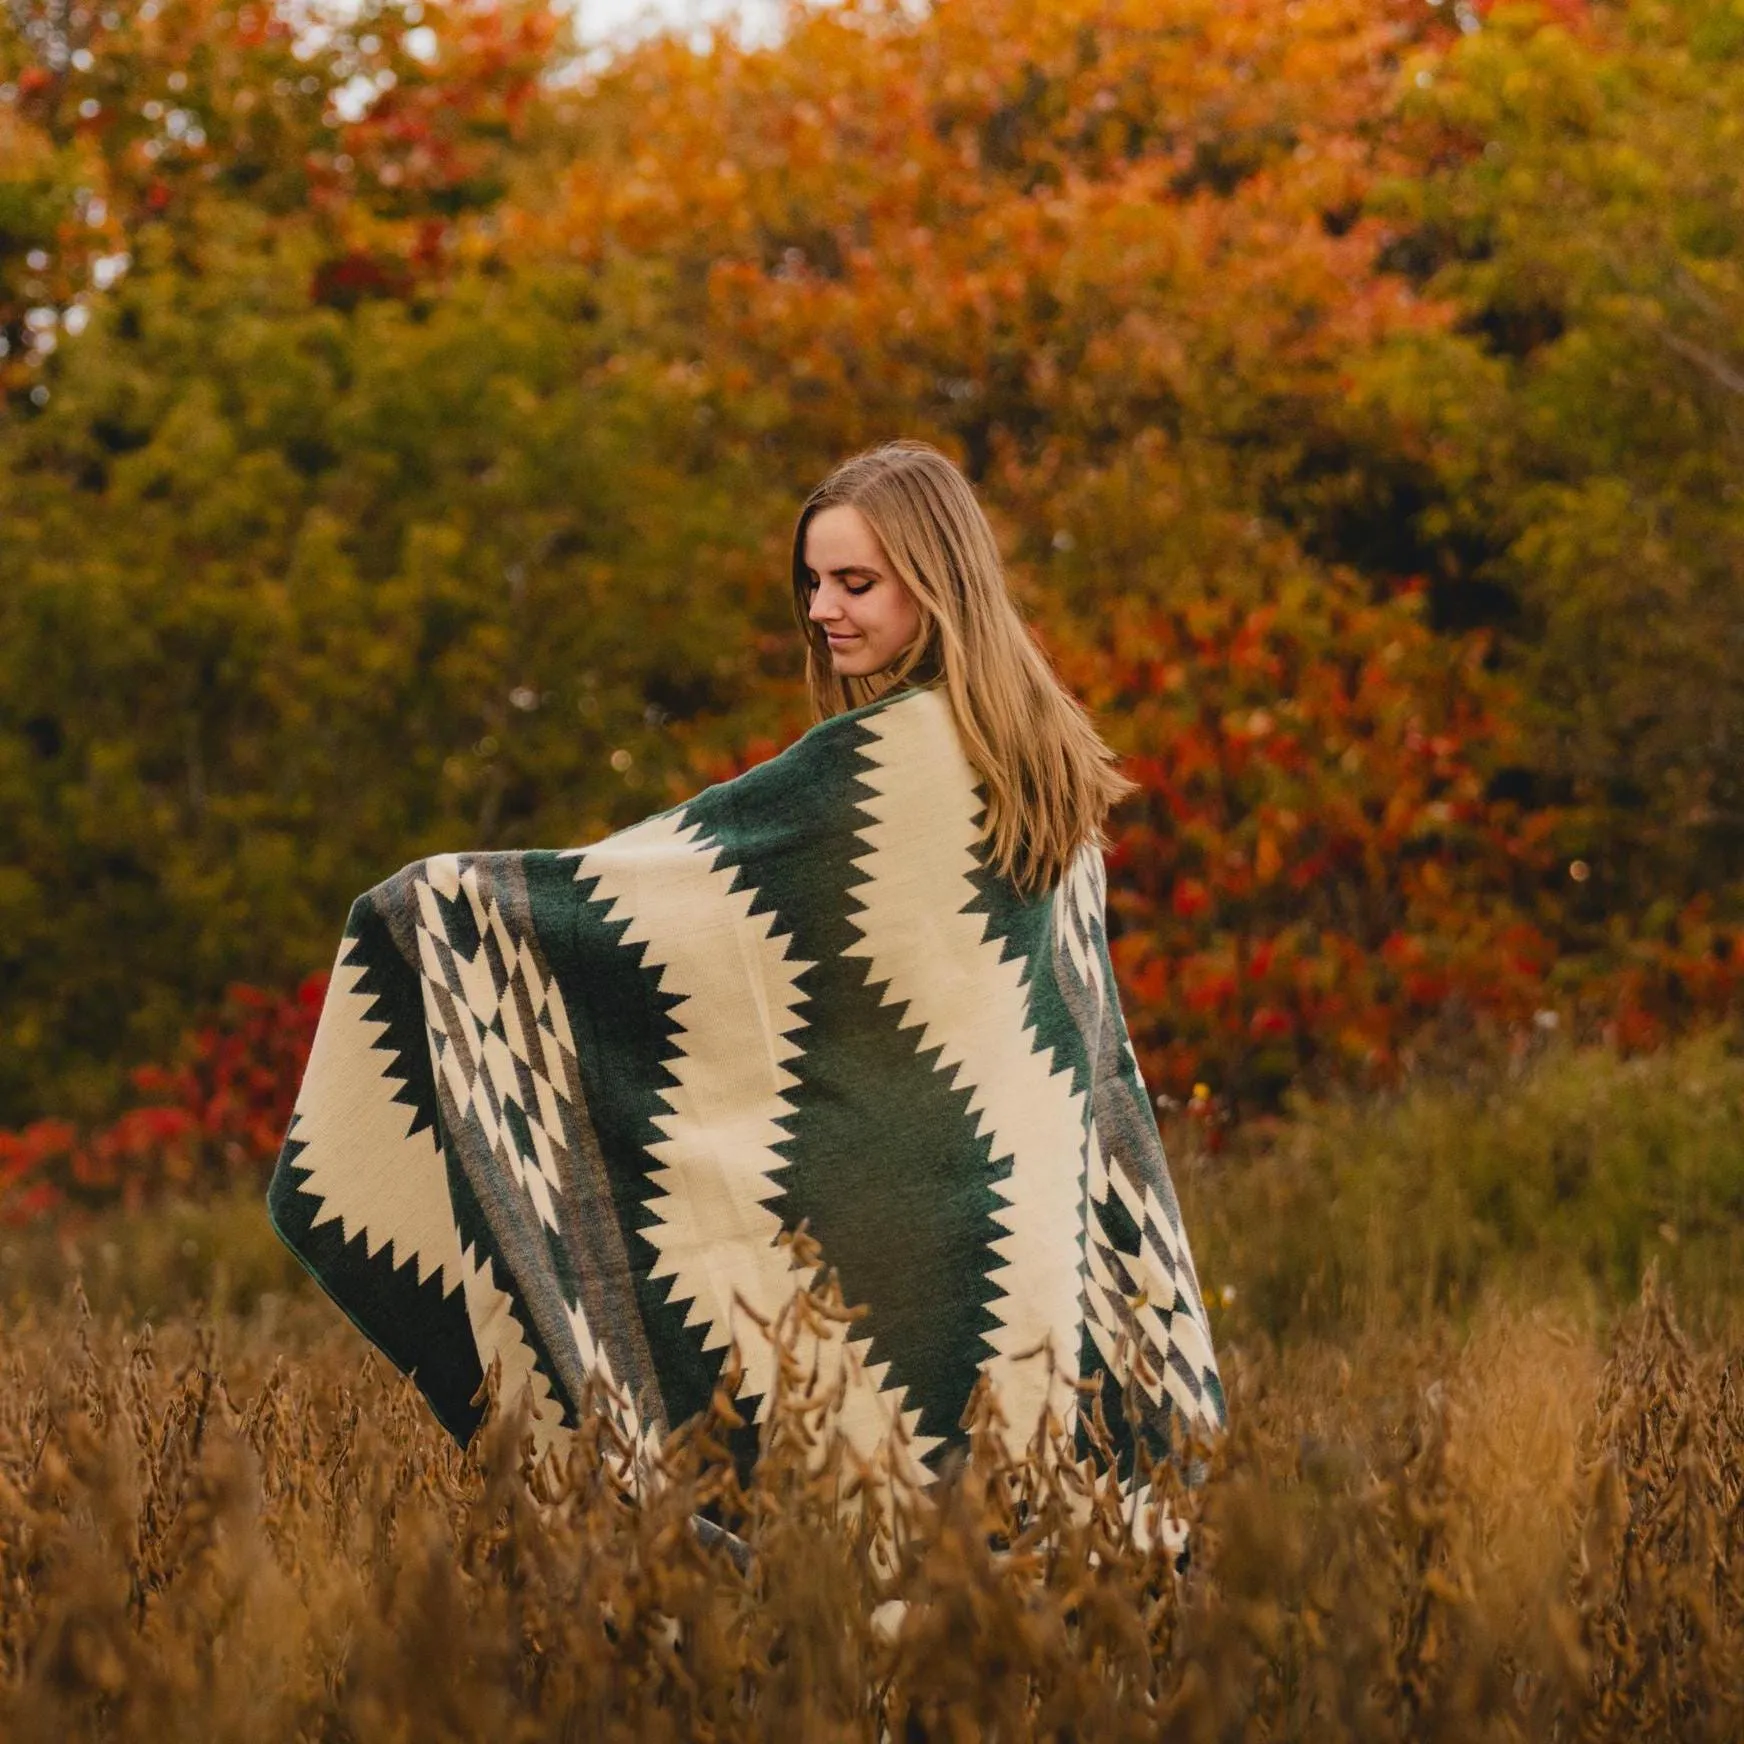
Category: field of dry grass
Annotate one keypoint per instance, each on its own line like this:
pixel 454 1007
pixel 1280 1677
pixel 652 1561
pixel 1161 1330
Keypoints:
pixel 227 1519
pixel 244 1528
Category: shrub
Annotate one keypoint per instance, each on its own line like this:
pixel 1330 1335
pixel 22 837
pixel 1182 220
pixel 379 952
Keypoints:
pixel 1567 1174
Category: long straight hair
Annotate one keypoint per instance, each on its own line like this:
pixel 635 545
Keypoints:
pixel 1048 777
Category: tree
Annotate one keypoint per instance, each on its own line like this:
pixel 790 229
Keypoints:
pixel 307 574
pixel 1580 197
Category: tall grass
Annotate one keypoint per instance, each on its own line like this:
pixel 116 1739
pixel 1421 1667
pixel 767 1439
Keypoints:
pixel 1563 1178
pixel 1444 1510
pixel 1521 1534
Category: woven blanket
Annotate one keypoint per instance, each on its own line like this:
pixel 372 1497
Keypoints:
pixel 562 1105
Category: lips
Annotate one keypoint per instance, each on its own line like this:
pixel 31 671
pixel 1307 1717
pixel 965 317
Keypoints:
pixel 838 641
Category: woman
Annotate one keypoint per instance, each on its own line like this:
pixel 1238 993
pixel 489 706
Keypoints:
pixel 897 580
pixel 565 1109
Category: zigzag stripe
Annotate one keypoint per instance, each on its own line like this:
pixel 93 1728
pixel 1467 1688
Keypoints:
pixel 361 1160
pixel 498 1334
pixel 500 1036
pixel 938 963
pixel 714 1229
pixel 1080 897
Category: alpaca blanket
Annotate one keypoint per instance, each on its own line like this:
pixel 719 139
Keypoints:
pixel 562 1105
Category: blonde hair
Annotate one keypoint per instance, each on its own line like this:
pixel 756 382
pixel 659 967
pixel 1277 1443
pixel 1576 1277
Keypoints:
pixel 1048 777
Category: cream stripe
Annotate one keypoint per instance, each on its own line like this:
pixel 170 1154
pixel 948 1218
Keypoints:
pixel 738 990
pixel 498 1334
pixel 940 965
pixel 365 1165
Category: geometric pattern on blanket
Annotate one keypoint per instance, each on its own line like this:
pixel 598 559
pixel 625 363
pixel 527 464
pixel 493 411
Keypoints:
pixel 562 1104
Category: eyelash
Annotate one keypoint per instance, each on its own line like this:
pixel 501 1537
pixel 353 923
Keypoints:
pixel 811 587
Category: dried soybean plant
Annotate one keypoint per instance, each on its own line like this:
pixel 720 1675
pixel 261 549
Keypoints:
pixel 250 1528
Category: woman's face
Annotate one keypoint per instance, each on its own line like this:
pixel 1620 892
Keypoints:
pixel 869 615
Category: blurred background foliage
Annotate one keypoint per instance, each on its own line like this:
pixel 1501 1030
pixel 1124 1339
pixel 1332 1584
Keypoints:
pixel 404 424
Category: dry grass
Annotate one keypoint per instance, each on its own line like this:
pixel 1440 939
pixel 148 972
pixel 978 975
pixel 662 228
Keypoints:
pixel 247 1528
pixel 1470 1492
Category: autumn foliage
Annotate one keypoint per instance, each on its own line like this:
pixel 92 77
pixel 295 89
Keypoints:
pixel 1318 878
pixel 1314 868
pixel 404 422
pixel 212 1119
